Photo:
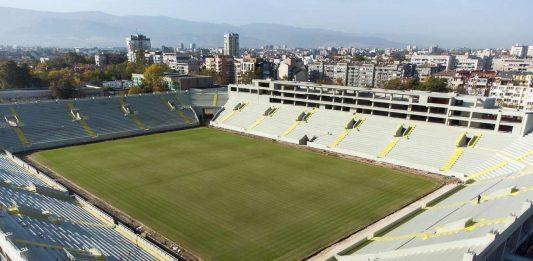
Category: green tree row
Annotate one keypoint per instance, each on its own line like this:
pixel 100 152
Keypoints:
pixel 431 84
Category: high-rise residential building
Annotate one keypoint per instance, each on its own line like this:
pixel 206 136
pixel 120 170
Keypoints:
pixel 231 44
pixel 434 49
pixel 411 48
pixel 361 75
pixel 530 51
pixel 136 43
pixel 101 58
pixel 518 51
pixel 386 72
pixel 192 47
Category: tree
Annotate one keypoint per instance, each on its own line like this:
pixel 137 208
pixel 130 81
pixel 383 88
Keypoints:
pixel 398 56
pixel 248 76
pixel 95 77
pixel 117 58
pixel 217 77
pixel 134 90
pixel 14 76
pixel 434 84
pixel 358 58
pixel 402 84
pixel 63 83
pixel 153 78
pixel 394 84
pixel 339 81
pixel 67 60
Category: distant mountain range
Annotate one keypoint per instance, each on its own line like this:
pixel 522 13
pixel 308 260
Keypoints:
pixel 97 29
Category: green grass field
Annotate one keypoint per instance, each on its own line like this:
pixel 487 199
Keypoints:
pixel 227 197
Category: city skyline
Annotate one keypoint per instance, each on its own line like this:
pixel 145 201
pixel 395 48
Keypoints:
pixel 458 23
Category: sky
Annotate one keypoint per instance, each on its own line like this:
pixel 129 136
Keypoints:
pixel 449 23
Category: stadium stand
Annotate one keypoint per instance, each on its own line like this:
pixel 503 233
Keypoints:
pixel 36 125
pixel 486 220
pixel 490 216
pixel 411 142
pixel 41 221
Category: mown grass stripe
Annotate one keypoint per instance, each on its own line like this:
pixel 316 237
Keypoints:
pixel 228 197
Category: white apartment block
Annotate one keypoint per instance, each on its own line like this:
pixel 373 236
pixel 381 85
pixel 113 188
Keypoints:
pixel 155 57
pixel 242 67
pixel 182 64
pixel 512 64
pixel 361 75
pixel 315 71
pixel 530 51
pixel 231 44
pixel 510 94
pixel 441 60
pixel 384 73
pixel 467 63
pixel 518 51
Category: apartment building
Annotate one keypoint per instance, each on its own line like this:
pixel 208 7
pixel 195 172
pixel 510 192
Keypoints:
pixel 514 89
pixel 137 43
pixel 292 69
pixel 231 44
pixel 512 94
pixel 315 71
pixel 361 75
pixel 467 63
pixel 512 64
pixel 223 66
pixel 518 51
pixel 387 72
pixel 447 61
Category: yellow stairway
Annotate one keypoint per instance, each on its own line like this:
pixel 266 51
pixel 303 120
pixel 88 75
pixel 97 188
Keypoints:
pixel 476 140
pixel 291 128
pixel 406 135
pixel 138 122
pixel 262 118
pixel 389 147
pixel 360 123
pixel 134 117
pixel 340 138
pixel 227 117
pixel 453 159
pixel 488 170
pixel 18 131
pixel 183 117
pixel 257 122
pixel 87 253
pixel 21 136
pixel 179 100
pixel 83 122
pixel 215 100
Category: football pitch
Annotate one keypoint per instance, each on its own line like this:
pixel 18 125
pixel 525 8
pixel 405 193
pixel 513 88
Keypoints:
pixel 228 197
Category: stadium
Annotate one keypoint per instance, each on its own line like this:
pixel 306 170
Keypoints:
pixel 271 170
